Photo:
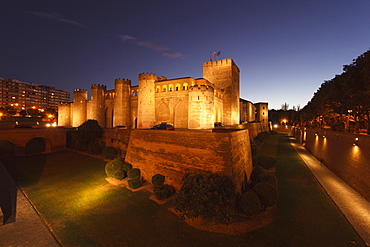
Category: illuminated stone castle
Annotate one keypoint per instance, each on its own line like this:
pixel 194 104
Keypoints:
pixel 186 103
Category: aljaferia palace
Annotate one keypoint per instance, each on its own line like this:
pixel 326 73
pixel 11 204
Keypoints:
pixel 186 103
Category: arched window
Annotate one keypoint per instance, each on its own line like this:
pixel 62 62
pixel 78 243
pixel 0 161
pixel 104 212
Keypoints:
pixel 170 88
pixel 164 88
pixel 177 87
pixel 158 89
pixel 185 86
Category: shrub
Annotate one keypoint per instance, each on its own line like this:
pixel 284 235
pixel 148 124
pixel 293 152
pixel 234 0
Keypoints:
pixel 109 153
pixel 133 173
pixel 267 194
pixel 114 169
pixel 266 162
pixel 255 151
pixel 256 172
pixel 126 167
pixel 269 178
pixel 207 195
pixel 163 191
pixel 134 183
pixel 6 148
pixel 158 179
pixel 249 203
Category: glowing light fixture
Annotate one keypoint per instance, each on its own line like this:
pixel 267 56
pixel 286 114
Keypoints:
pixel 356 142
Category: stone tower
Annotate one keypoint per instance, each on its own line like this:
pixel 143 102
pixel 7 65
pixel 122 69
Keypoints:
pixel 122 103
pixel 79 107
pixel 201 106
pixel 262 114
pixel 64 114
pixel 225 74
pixel 97 107
pixel 146 100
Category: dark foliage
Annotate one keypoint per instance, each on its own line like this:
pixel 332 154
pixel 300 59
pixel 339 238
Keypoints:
pixel 249 203
pixel 267 194
pixel 256 172
pixel 163 191
pixel 269 178
pixel 134 183
pixel 133 173
pixel 87 138
pixel 266 162
pixel 255 151
pixel 158 179
pixel 109 153
pixel 115 169
pixel 207 195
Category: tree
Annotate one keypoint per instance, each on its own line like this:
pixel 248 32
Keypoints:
pixel 285 106
pixel 87 137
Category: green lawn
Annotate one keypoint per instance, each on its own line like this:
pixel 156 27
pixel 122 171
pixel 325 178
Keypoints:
pixel 70 192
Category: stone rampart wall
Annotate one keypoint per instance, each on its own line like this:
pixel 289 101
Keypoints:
pixel 117 138
pixel 175 153
pixel 337 151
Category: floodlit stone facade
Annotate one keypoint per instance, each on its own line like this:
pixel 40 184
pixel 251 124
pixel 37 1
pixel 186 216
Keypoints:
pixel 186 103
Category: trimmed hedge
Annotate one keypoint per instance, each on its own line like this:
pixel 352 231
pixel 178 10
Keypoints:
pixel 115 169
pixel 109 153
pixel 267 194
pixel 269 178
pixel 158 179
pixel 134 183
pixel 266 162
pixel 163 191
pixel 210 196
pixel 256 172
pixel 133 173
pixel 249 203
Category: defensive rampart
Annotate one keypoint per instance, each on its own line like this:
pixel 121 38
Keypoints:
pixel 347 155
pixel 175 153
pixel 54 138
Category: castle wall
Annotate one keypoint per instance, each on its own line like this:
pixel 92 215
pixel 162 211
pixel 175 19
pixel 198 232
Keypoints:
pixel 122 103
pixel 175 153
pixel 146 100
pixel 225 75
pixel 262 114
pixel 79 112
pixel 97 106
pixel 201 107
pixel 64 114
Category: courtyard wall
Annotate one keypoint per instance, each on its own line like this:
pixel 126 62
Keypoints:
pixel 342 153
pixel 175 153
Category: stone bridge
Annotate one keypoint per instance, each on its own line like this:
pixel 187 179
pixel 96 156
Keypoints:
pixel 52 139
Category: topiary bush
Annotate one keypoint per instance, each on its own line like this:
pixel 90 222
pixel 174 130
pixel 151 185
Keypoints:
pixel 133 173
pixel 267 194
pixel 115 169
pixel 249 203
pixel 269 178
pixel 126 167
pixel 256 172
pixel 266 162
pixel 163 191
pixel 207 195
pixel 109 153
pixel 134 183
pixel 158 179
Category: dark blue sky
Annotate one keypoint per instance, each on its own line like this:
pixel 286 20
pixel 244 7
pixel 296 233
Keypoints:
pixel 285 49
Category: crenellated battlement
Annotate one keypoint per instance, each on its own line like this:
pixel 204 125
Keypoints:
pixel 79 91
pixel 98 86
pixel 122 81
pixel 218 62
pixel 201 88
pixel 147 76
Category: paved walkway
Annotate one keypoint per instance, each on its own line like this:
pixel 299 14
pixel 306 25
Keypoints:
pixel 29 230
pixel 353 206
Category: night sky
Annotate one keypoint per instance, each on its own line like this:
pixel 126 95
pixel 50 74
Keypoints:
pixel 285 49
